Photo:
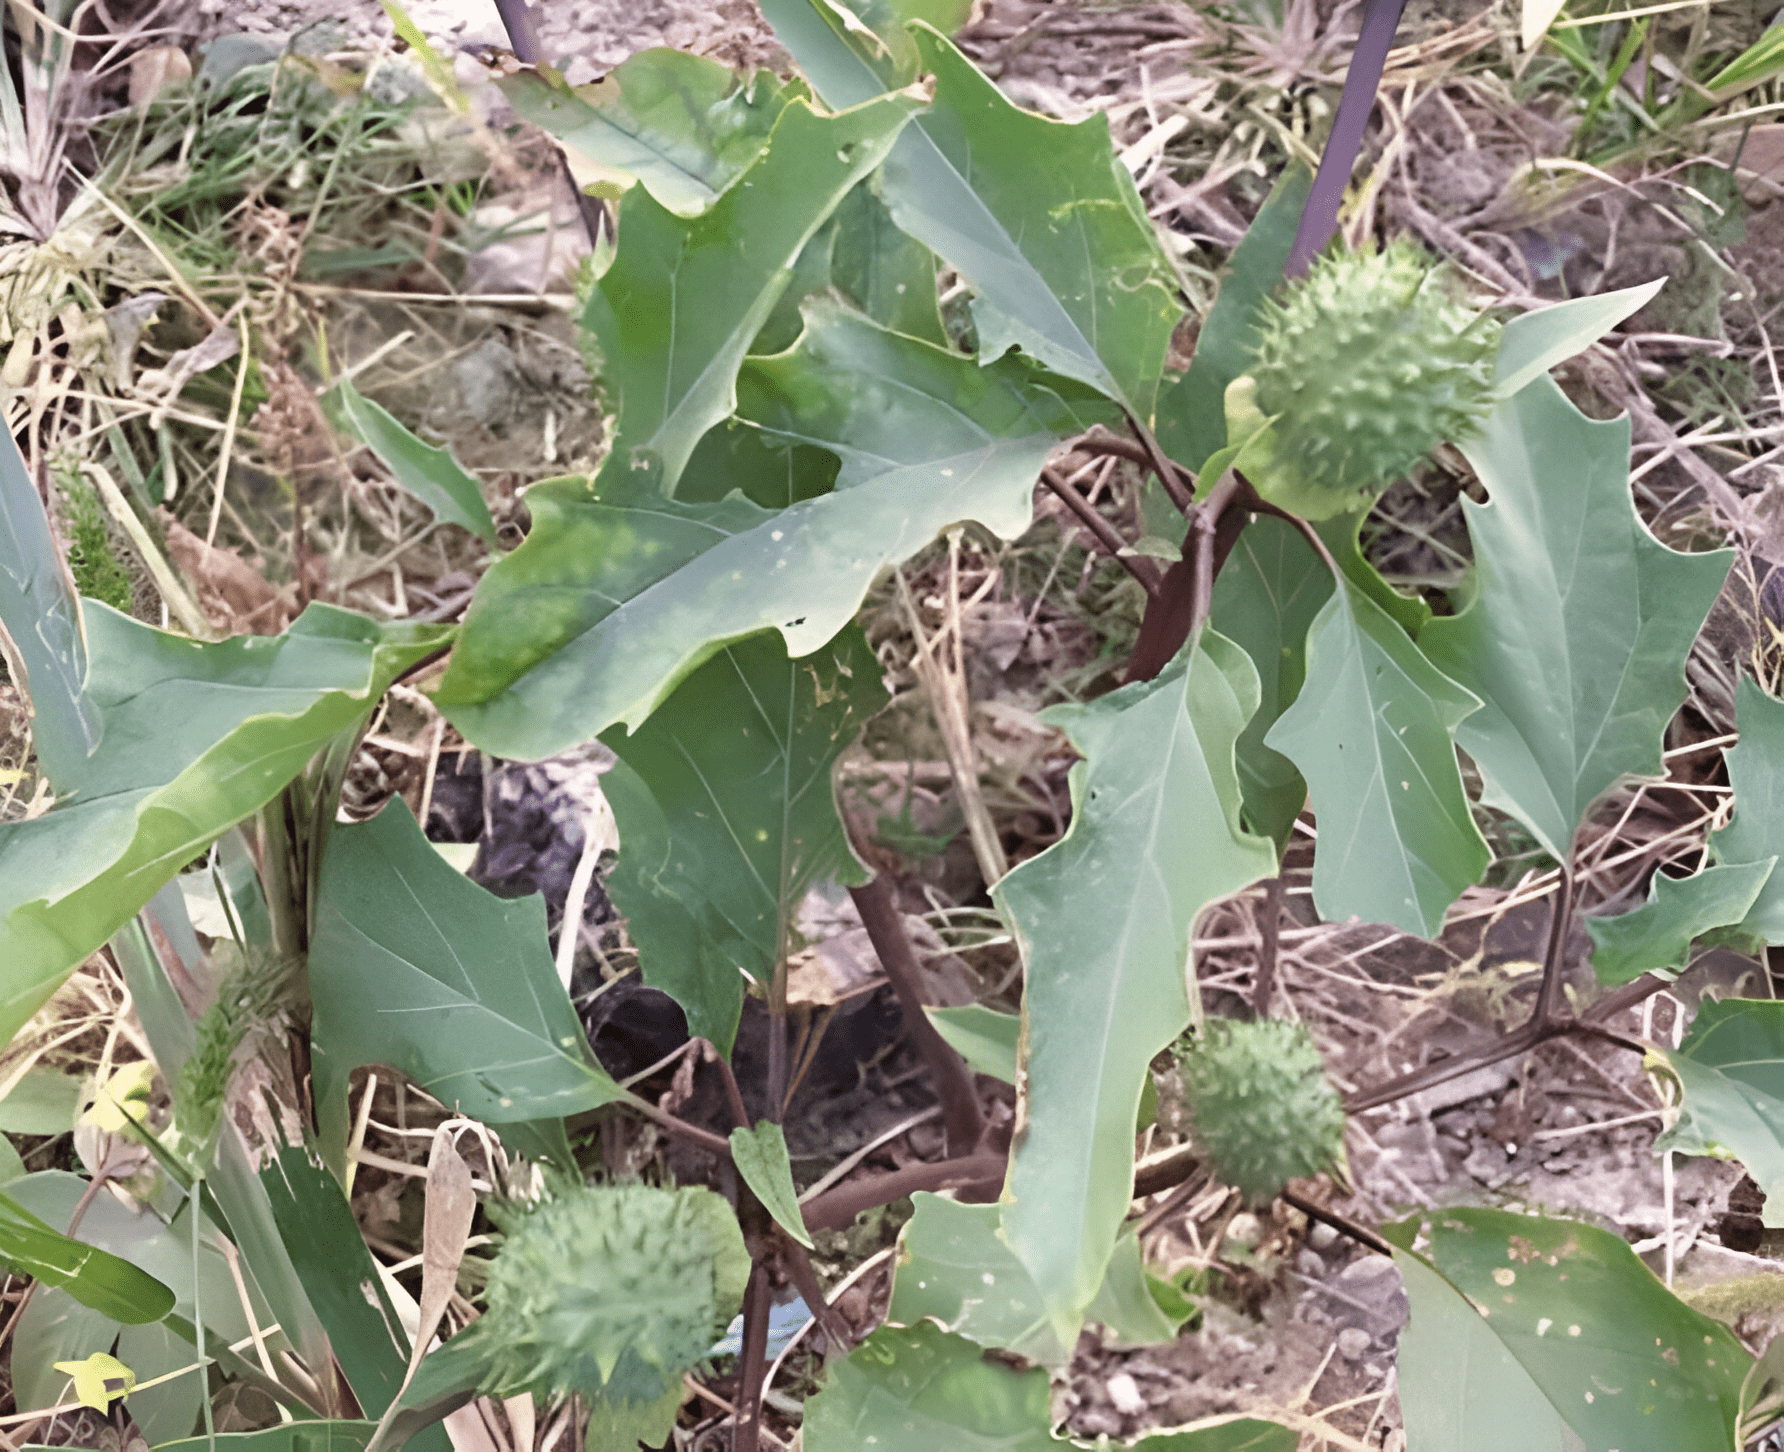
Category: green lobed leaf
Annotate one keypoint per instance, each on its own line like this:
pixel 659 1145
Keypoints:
pixel 1460 1389
pixel 918 1388
pixel 100 1281
pixel 413 965
pixel 1730 1069
pixel 1192 410
pixel 853 52
pixel 726 815
pixel 883 272
pixel 1534 342
pixel 1343 534
pixel 1656 937
pixel 1103 920
pixel 41 627
pixel 683 299
pixel 985 1037
pixel 955 1269
pixel 1756 772
pixel 760 1155
pixel 1265 600
pixel 617 596
pixel 1577 636
pixel 196 738
pixel 1609 1349
pixel 431 474
pixel 1062 259
pixel 684 126
pixel 1370 731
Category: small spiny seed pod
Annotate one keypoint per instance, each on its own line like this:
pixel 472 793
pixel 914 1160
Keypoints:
pixel 611 1290
pixel 1364 366
pixel 1260 1106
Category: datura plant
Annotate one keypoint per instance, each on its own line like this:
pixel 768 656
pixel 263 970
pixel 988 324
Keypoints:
pixel 795 415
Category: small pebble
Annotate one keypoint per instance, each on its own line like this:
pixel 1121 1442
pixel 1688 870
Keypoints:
pixel 1309 1263
pixel 1353 1343
pixel 1125 1394
pixel 1322 1236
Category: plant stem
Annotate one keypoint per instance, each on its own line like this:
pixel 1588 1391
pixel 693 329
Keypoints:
pixel 757 1301
pixel 1269 932
pixel 1319 218
pixel 962 1117
pixel 705 1138
pixel 1548 996
pixel 1168 473
pixel 1140 568
pixel 805 1281
pixel 733 1095
pixel 836 1209
pixel 1343 1224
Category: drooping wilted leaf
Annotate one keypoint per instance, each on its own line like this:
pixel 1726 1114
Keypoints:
pixel 617 596
pixel 1656 937
pixel 1192 411
pixel 1576 638
pixel 1370 731
pixel 726 814
pixel 1756 772
pixel 1602 1346
pixel 415 966
pixel 196 738
pixel 1730 1069
pixel 683 299
pixel 954 1268
pixel 1265 601
pixel 1103 919
pixel 431 474
pixel 684 126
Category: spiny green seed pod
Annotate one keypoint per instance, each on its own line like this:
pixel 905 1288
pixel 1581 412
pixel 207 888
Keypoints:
pixel 611 1290
pixel 1260 1106
pixel 1364 366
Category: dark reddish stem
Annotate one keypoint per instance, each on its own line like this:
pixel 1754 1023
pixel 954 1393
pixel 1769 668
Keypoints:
pixel 1319 218
pixel 1140 568
pixel 962 1117
pixel 757 1302
pixel 836 1209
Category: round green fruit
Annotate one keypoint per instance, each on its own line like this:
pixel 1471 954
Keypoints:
pixel 1359 370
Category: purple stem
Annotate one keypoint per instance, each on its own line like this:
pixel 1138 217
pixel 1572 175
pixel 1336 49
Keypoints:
pixel 1319 218
pixel 523 35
